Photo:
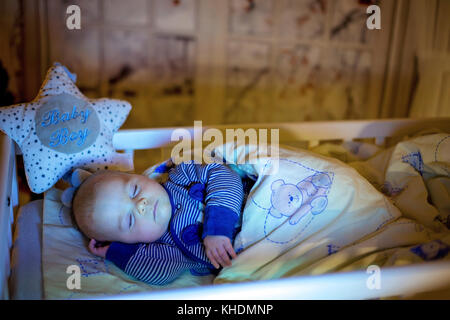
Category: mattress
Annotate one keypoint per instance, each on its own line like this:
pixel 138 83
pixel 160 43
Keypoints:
pixel 26 267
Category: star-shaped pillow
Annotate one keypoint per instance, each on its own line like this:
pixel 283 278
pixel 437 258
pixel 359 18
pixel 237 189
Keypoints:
pixel 61 129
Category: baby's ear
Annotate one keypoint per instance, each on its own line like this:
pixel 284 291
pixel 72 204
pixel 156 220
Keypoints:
pixel 78 176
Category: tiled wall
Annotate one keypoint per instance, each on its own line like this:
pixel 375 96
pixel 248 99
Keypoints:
pixel 284 60
pixel 300 60
pixel 121 52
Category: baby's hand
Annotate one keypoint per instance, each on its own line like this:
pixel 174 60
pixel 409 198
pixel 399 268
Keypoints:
pixel 218 250
pixel 94 248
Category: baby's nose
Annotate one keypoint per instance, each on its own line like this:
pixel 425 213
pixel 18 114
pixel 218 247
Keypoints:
pixel 142 204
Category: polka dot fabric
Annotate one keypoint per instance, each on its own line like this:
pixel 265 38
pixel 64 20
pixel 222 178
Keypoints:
pixel 61 130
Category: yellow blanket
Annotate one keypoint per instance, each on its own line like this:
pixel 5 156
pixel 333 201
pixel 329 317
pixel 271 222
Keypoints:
pixel 358 226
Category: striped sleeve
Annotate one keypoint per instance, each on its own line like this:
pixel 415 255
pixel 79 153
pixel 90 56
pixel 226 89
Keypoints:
pixel 153 263
pixel 223 187
pixel 224 195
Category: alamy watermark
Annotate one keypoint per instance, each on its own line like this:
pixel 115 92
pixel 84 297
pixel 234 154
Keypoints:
pixel 73 21
pixel 374 20
pixel 73 281
pixel 190 148
pixel 374 280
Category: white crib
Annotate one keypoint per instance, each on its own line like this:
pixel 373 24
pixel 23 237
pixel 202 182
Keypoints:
pixel 404 281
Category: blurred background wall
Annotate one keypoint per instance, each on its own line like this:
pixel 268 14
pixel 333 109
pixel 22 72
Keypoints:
pixel 234 61
pixel 237 61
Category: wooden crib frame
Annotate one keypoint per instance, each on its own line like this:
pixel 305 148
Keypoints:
pixel 404 281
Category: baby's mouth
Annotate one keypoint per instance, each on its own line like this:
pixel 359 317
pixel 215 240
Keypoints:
pixel 154 210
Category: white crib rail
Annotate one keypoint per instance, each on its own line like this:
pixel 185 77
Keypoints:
pixel 395 282
pixel 8 201
pixel 312 132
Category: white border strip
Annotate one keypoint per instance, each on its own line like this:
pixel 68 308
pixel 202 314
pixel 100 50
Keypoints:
pixel 401 281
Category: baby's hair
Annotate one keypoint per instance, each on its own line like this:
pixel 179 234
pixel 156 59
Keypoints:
pixel 83 204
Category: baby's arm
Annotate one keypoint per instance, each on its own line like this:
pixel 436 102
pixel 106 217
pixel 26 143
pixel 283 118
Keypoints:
pixel 153 263
pixel 224 196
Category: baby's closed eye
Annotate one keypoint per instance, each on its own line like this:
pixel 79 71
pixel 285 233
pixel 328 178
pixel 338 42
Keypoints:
pixel 127 222
pixel 131 220
pixel 135 189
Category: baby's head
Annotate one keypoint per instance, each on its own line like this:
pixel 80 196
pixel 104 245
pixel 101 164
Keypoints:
pixel 118 206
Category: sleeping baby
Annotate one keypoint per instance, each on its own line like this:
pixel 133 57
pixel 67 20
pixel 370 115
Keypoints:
pixel 154 232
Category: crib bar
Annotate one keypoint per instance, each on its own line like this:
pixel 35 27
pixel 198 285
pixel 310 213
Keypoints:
pixel 288 132
pixel 394 282
pixel 7 203
pixel 144 138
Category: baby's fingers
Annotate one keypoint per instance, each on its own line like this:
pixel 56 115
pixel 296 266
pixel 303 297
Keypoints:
pixel 98 251
pixel 212 258
pixel 223 258
pixel 230 250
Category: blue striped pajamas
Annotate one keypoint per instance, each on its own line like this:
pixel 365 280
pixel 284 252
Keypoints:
pixel 206 200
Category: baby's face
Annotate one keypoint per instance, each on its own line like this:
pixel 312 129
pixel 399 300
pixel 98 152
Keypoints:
pixel 131 208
